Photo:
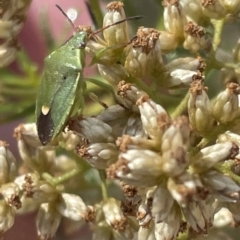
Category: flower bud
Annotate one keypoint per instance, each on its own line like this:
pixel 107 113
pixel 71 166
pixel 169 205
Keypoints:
pixel 71 206
pixel 169 228
pixel 195 39
pixel 209 156
pixel 69 140
pixel 144 57
pixel 101 53
pixel 48 221
pixel 199 215
pixel 232 6
pixel 113 215
pixel 154 118
pixel 39 190
pixel 168 42
pixel 193 11
pixel 186 188
pixel 179 78
pixel 116 117
pixel 146 233
pixel 130 94
pixel 28 134
pixel 118 33
pixel 7 217
pixel 226 106
pixel 199 108
pixel 139 167
pixel 222 187
pixel 93 129
pixel 174 17
pixel 8 165
pixel 213 9
pixel 113 73
pixel 99 155
pixel 162 203
pixel 175 142
pixel 30 148
pixel 187 63
pixel 229 136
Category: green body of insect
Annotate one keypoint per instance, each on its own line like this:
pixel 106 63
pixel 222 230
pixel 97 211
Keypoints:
pixel 59 95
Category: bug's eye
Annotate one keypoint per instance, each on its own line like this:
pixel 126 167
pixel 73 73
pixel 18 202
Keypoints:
pixel 82 45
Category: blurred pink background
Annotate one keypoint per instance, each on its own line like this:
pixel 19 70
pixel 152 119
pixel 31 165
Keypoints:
pixel 32 40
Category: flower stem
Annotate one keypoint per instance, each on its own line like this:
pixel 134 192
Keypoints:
pixel 218 26
pixel 96 12
pixel 225 168
pixel 181 107
pixel 102 175
pixel 63 178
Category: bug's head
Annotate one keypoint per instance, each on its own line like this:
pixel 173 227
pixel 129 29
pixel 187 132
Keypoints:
pixel 79 40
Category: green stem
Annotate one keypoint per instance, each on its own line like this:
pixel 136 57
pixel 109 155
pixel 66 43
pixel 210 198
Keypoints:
pixel 218 27
pixel 221 128
pixel 96 10
pixel 144 87
pixel 181 107
pixel 213 134
pixel 225 168
pixel 211 60
pixel 204 142
pixel 63 178
pixel 102 175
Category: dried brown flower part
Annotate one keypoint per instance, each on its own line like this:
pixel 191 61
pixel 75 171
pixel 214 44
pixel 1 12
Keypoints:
pixel 41 191
pixel 128 190
pixel 11 194
pixel 90 215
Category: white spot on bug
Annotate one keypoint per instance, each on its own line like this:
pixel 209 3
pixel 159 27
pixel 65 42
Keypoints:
pixel 45 110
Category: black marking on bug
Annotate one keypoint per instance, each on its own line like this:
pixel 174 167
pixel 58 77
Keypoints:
pixel 45 127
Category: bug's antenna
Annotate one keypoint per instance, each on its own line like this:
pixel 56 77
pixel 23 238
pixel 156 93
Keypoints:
pixel 118 22
pixel 69 20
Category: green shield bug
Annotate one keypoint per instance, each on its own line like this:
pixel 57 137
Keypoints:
pixel 59 95
pixel 60 84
